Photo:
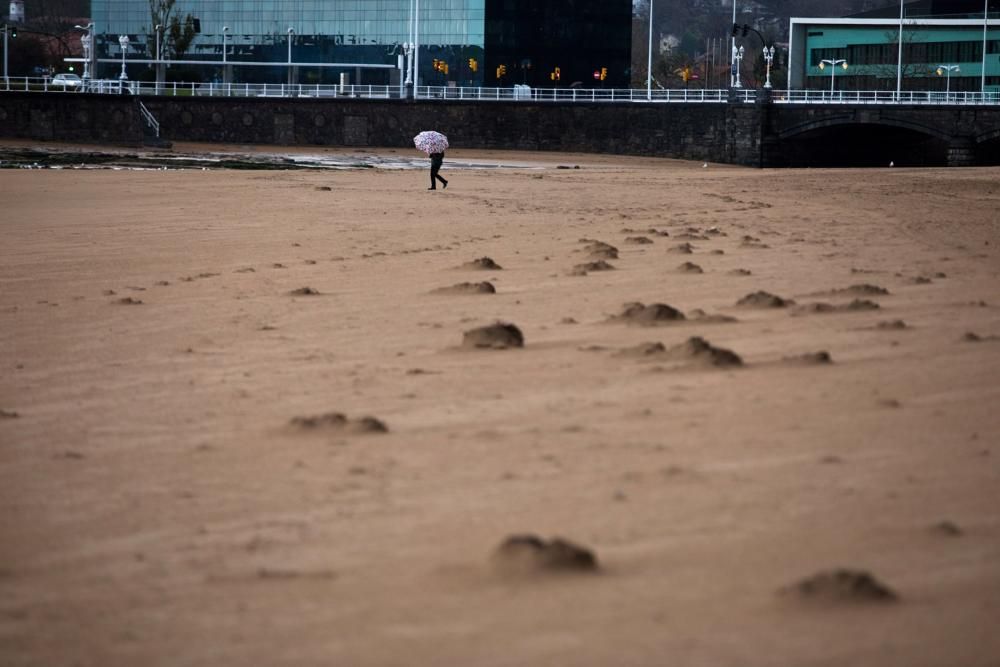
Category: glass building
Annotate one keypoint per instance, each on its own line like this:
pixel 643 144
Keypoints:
pixel 942 48
pixel 462 42
pixel 366 36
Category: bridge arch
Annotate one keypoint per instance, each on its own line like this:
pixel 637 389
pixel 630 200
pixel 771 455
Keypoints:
pixel 857 139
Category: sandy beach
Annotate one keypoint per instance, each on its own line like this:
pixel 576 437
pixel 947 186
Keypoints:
pixel 258 417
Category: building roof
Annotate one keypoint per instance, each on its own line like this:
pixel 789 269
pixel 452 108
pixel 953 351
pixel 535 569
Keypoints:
pixel 941 9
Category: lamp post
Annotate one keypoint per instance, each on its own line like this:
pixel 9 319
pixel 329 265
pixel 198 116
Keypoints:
pixel 87 42
pixel 899 55
pixel 832 62
pixel 225 32
pixel 734 69
pixel 291 31
pixel 5 48
pixel 123 42
pixel 768 57
pixel 649 56
pixel 737 59
pixel 947 70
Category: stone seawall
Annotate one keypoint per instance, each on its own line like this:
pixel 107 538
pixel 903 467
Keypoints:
pixel 712 132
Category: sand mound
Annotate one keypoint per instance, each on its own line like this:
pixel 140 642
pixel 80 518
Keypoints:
pixel 642 350
pixel 690 267
pixel 682 248
pixel 526 554
pixel 497 336
pixel 600 249
pixel 467 288
pixel 9 414
pixel 842 586
pixel 863 289
pixel 638 240
pixel 482 264
pixel 587 267
pixel 762 299
pixel 695 350
pixel 892 325
pixel 304 291
pixel 338 422
pixel 690 236
pixel 699 350
pixel 820 307
pixel 809 358
pixel 715 318
pixel 947 529
pixel 655 313
pixel 129 301
pixel 740 272
pixel 753 242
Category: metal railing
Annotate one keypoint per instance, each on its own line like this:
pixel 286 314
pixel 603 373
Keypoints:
pixel 149 118
pixel 515 93
pixel 922 97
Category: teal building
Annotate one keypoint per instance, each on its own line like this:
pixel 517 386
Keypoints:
pixel 945 46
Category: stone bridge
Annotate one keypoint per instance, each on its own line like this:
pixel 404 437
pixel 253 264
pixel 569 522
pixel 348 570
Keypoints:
pixel 761 134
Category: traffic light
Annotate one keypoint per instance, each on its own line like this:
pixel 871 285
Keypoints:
pixel 686 73
pixel 501 71
pixel 736 29
pixel 555 74
pixel 13 31
pixel 473 65
pixel 604 73
pixel 746 29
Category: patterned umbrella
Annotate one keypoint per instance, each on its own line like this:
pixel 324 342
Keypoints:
pixel 431 142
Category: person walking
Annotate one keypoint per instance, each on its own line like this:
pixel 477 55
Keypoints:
pixel 436 160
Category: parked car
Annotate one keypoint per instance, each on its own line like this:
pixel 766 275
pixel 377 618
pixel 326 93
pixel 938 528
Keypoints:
pixel 67 80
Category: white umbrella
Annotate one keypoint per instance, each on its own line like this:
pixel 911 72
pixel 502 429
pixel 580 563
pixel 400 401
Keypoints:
pixel 431 142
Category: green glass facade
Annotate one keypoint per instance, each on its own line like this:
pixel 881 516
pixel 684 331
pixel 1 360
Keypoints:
pixel 870 48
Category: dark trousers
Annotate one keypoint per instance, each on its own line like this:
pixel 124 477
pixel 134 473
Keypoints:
pixel 436 160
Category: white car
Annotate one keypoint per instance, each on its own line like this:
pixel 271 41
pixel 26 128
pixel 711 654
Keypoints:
pixel 67 80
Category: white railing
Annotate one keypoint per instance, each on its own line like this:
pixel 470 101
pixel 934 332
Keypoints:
pixel 149 118
pixel 922 97
pixel 515 93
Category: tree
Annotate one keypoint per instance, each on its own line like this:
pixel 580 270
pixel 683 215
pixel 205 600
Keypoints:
pixel 176 33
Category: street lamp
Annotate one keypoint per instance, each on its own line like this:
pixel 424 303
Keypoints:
pixel 225 30
pixel 768 57
pixel 291 31
pixel 832 62
pixel 737 59
pixel 123 42
pixel 649 56
pixel 87 42
pixel 947 69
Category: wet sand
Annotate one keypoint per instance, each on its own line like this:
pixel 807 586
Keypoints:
pixel 260 417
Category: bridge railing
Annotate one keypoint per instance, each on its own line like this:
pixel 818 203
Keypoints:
pixel 855 97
